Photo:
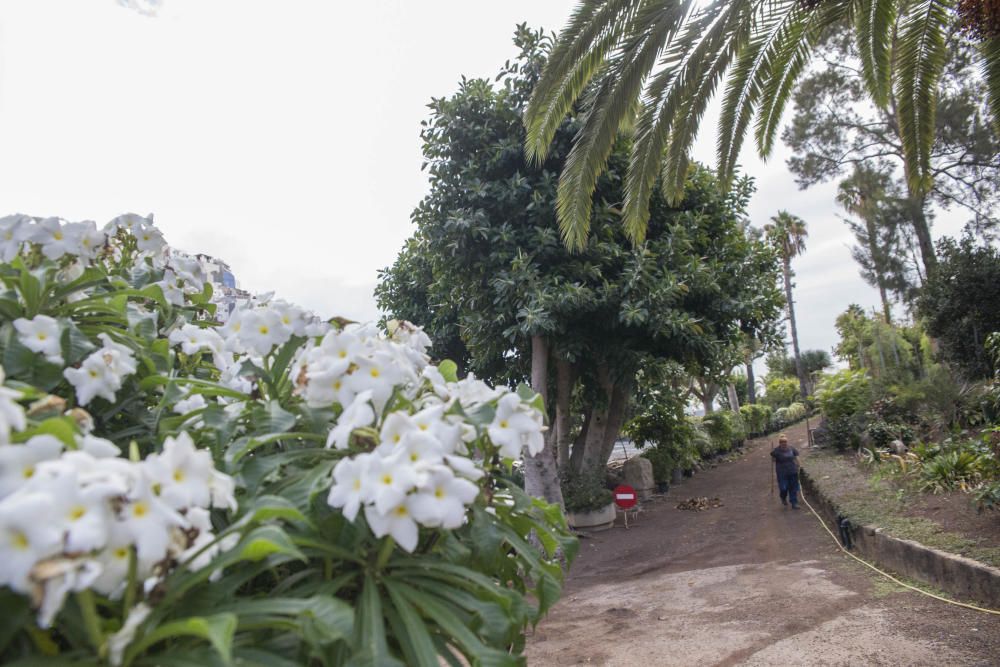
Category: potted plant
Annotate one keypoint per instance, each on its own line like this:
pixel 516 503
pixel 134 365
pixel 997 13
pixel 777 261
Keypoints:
pixel 589 504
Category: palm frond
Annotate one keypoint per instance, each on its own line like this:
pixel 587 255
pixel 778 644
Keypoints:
pixel 920 56
pixel 773 24
pixel 792 58
pixel 593 32
pixel 613 100
pixel 990 50
pixel 874 22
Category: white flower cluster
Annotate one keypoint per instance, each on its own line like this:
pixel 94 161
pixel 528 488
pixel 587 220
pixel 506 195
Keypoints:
pixel 421 471
pixel 57 238
pixel 70 519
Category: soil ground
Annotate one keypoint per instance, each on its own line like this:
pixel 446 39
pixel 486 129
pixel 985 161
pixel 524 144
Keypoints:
pixel 748 583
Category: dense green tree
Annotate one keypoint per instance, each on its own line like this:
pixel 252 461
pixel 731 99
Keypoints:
pixel 960 304
pixel 655 64
pixel 889 353
pixel 486 267
pixel 835 129
pixel 788 234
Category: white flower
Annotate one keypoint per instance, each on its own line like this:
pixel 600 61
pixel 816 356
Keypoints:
pixel 89 240
pixel 389 479
pixel 148 238
pixel 11 413
pixel 326 382
pixel 512 428
pixel 18 463
pixel 41 334
pixel 194 339
pixel 114 562
pixel 442 501
pixel 357 414
pixel 349 489
pixel 13 231
pixel 223 490
pixel 465 467
pixel 172 292
pixel 148 521
pixel 182 472
pixel 121 361
pixel 118 642
pixel 378 373
pixel 83 512
pixel 58 577
pixel 190 404
pixel 189 270
pixel 397 522
pixel 99 448
pixel 262 329
pixel 26 537
pixel 421 450
pixel 56 240
pixel 93 378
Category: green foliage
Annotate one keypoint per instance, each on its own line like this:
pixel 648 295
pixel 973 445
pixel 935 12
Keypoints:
pixel 757 418
pixel 781 392
pixel 844 397
pixel 656 65
pixel 585 491
pixel 960 304
pixel 660 427
pixel 725 428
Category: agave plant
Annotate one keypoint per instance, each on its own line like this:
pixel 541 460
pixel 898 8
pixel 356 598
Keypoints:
pixel 654 65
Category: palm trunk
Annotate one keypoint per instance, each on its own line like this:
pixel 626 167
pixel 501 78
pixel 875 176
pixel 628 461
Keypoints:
pixel 541 475
pixel 751 389
pixel 787 271
pixel 922 230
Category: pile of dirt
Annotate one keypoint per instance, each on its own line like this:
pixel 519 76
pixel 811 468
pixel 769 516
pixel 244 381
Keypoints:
pixel 699 504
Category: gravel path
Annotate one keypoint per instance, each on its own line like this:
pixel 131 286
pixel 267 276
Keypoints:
pixel 748 583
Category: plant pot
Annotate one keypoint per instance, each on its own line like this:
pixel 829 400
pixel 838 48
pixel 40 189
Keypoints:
pixel 676 475
pixel 662 487
pixel 601 519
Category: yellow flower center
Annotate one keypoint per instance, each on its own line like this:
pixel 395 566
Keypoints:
pixel 42 335
pixel 77 512
pixel 20 541
pixel 263 330
pixel 374 372
pixel 140 509
pixel 396 438
pixel 120 553
pixel 387 479
pixel 28 472
pixel 422 427
pixel 503 423
pixel 342 354
pixel 58 236
pixel 178 475
pixel 92 373
pixel 414 457
pixel 439 492
pixel 401 511
pixel 357 485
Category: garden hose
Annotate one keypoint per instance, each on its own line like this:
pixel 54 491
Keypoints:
pixel 886 574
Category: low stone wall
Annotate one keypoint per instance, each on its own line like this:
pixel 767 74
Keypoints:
pixel 959 576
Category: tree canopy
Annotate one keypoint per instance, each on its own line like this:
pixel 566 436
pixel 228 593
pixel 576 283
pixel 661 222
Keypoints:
pixel 486 269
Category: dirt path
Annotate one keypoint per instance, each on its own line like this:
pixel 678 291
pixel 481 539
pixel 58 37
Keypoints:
pixel 749 583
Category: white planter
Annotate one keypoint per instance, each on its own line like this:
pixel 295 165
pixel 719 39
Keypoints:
pixel 601 519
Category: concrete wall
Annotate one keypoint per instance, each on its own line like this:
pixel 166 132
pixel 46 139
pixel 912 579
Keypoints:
pixel 961 577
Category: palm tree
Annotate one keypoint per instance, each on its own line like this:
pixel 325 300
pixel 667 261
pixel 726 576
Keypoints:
pixel 788 234
pixel 654 65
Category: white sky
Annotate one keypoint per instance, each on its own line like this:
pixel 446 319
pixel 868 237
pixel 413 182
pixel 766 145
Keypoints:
pixel 283 136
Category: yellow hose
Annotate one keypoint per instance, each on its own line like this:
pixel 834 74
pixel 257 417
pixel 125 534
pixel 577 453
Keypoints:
pixel 886 574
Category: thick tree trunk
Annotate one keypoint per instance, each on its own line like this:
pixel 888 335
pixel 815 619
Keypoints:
pixel 751 389
pixel 564 388
pixel 799 371
pixel 541 475
pixel 594 445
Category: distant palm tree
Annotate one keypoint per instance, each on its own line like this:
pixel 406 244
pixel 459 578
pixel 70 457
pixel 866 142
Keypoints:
pixel 788 234
pixel 654 65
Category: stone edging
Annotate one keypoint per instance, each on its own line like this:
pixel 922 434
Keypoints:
pixel 960 576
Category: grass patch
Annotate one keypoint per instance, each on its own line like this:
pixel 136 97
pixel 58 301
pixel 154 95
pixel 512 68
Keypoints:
pixel 878 498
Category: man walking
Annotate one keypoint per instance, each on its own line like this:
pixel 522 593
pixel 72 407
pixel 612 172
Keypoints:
pixel 786 466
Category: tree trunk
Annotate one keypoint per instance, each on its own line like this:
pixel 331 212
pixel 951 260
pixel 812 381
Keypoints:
pixel 751 389
pixel 734 400
pixel 922 230
pixel 564 388
pixel 877 265
pixel 787 271
pixel 541 475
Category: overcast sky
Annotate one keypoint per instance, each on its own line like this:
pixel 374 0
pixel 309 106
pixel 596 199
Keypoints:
pixel 283 136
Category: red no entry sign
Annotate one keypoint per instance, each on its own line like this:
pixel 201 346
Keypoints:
pixel 625 496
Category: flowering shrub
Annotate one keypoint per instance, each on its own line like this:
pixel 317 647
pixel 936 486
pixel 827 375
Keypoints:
pixel 263 487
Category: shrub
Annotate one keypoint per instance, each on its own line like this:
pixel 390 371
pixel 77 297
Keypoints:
pixel 272 490
pixel 584 492
pixel 724 428
pixel 781 391
pixel 795 412
pixel 756 417
pixel 844 397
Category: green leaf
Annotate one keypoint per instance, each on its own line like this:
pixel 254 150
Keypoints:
pixel 369 628
pixel 265 541
pixel 61 427
pixel 448 370
pixel 413 635
pixel 218 630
